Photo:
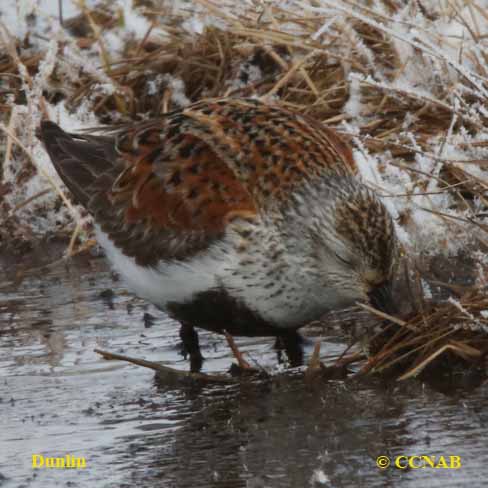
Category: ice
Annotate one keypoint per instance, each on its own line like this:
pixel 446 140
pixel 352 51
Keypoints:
pixel 353 105
pixel 427 291
pixel 319 478
pixel 458 305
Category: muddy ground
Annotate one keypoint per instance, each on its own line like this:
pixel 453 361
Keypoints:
pixel 58 397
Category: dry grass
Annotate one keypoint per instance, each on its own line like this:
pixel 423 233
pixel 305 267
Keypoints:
pixel 441 335
pixel 309 71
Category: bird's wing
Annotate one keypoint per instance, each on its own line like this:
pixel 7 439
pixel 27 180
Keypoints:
pixel 168 187
pixel 270 150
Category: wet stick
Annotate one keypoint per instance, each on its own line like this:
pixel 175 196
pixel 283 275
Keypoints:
pixel 165 372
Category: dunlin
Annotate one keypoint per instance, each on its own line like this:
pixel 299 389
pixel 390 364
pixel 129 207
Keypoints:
pixel 232 215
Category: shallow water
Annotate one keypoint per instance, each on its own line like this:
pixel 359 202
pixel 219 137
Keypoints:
pixel 58 397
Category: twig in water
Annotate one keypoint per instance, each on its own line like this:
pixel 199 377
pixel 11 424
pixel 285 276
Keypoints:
pixel 165 371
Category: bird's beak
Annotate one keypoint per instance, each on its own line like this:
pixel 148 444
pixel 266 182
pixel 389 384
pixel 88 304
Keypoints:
pixel 381 298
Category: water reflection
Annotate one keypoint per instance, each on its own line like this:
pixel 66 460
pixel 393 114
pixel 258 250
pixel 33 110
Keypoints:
pixel 57 396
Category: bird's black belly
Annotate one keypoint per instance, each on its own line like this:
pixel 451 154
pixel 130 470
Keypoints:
pixel 216 310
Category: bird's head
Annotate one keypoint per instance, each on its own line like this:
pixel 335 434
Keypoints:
pixel 365 247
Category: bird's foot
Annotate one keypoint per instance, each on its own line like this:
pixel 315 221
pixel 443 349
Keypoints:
pixel 242 364
pixel 292 343
pixel 315 368
pixel 191 347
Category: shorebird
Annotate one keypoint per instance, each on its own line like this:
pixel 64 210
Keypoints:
pixel 232 215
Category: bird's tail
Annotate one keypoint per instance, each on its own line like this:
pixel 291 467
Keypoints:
pixel 79 160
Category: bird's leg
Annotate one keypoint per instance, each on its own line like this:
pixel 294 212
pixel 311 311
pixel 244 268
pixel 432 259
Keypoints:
pixel 242 363
pixel 292 343
pixel 191 346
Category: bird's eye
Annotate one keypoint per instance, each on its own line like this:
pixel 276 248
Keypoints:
pixel 342 260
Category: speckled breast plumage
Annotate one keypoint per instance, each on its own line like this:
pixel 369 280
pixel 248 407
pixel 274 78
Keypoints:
pixel 228 213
